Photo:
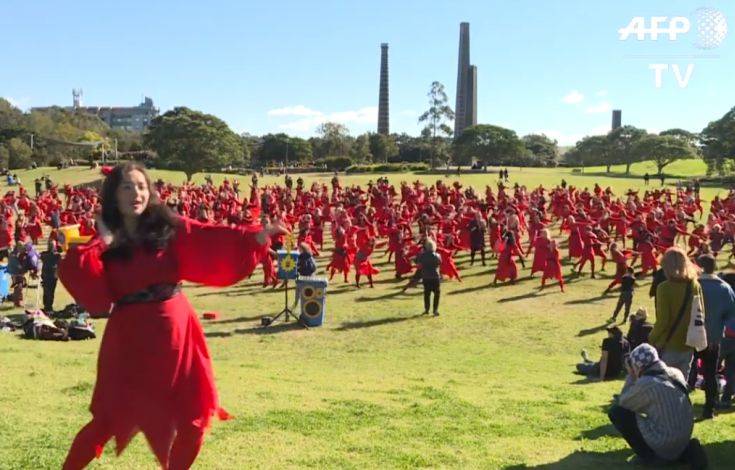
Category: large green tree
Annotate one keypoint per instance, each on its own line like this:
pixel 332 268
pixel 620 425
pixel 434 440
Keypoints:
pixel 192 141
pixel 621 142
pixel 663 149
pixel 718 143
pixel 591 150
pixel 15 154
pixel 493 145
pixel 283 148
pixel 436 121
pixel 382 147
pixel 544 149
pixel 360 149
pixel 413 149
pixel 334 140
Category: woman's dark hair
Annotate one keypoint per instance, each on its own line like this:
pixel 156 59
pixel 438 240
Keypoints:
pixel 155 225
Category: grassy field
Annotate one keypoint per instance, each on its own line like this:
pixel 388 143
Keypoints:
pixel 488 384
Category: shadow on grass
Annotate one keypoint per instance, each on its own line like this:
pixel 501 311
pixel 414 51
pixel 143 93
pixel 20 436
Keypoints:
pixel 719 455
pixel 257 330
pixel 598 432
pixel 233 320
pixel 582 460
pixel 593 330
pixel 387 296
pixel 532 294
pixel 590 300
pixel 346 326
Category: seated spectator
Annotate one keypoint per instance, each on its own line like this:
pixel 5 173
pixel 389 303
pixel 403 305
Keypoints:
pixel 654 414
pixel 614 347
pixel 639 329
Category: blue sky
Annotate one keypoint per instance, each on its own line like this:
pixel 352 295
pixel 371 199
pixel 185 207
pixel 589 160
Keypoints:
pixel 553 66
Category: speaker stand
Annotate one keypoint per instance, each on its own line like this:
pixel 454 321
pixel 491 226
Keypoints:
pixel 287 312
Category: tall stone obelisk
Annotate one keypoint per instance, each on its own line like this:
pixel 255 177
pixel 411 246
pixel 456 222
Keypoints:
pixel 465 109
pixel 383 98
pixel 463 66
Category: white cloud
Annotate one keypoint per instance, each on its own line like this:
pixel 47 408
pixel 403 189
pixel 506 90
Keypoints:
pixel 601 93
pixel 409 113
pixel 601 107
pixel 298 110
pixel 573 97
pixel 311 119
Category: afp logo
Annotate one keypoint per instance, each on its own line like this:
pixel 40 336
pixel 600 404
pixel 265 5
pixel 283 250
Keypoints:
pixel 709 26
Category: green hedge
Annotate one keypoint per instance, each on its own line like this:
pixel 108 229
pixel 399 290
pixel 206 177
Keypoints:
pixel 388 168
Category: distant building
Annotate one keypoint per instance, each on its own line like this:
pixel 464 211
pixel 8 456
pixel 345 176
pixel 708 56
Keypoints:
pixel 617 118
pixel 383 95
pixel 465 110
pixel 132 118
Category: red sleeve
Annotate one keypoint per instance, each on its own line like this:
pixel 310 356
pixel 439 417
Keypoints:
pixel 216 255
pixel 83 274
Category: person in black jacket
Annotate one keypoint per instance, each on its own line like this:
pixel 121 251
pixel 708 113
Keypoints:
pixel 640 328
pixel 50 261
pixel 429 263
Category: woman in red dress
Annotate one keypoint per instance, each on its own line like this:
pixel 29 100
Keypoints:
pixel 541 247
pixel 507 269
pixel 154 372
pixel 552 270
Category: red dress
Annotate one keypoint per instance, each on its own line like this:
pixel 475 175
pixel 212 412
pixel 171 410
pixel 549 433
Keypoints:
pixel 154 372
pixel 541 248
pixel 507 268
pixel 552 270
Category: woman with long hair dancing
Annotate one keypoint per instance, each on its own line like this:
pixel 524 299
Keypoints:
pixel 154 372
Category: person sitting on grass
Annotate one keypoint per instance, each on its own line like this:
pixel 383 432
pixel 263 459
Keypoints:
pixel 429 263
pixel 654 413
pixel 627 286
pixel 610 366
pixel 640 328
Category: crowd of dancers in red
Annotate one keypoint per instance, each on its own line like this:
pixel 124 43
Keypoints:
pixel 508 223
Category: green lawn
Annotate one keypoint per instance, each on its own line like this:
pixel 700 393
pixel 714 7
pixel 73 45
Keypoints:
pixel 489 384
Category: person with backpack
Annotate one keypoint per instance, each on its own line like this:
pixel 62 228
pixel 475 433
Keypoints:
pixel 654 415
pixel 673 309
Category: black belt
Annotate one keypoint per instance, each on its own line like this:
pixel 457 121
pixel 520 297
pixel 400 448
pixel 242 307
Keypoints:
pixel 153 293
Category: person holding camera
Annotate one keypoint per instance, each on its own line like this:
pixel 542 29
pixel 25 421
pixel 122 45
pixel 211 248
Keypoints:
pixel 654 414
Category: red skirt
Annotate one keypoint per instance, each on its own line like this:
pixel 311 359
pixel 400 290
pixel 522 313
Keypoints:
pixel 154 373
pixel 507 268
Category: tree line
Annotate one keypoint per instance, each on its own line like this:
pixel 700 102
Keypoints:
pixel 193 141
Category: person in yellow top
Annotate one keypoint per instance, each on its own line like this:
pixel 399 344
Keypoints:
pixel 668 335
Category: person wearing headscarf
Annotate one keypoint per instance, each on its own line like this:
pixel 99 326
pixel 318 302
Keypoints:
pixel 654 414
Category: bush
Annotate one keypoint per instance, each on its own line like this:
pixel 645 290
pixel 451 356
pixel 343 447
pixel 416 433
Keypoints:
pixel 335 163
pixel 402 167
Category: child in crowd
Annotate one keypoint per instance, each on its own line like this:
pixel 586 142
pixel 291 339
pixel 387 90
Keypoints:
pixel 627 285
pixel 640 328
